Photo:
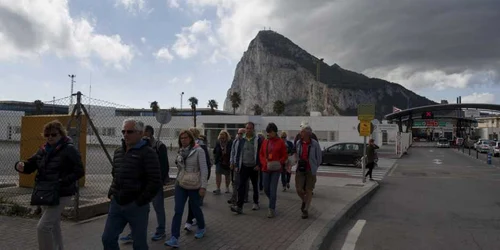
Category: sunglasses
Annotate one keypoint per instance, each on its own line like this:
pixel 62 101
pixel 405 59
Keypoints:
pixel 127 132
pixel 50 135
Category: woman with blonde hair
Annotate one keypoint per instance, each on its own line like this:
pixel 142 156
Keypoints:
pixel 191 182
pixel 59 166
pixel 222 156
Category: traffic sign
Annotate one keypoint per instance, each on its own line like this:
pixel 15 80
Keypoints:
pixel 366 112
pixel 365 128
pixel 163 117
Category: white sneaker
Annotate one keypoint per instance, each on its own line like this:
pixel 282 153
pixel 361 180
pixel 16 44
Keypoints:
pixel 194 222
pixel 187 227
pixel 255 207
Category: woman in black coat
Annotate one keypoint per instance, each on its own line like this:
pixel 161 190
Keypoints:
pixel 59 167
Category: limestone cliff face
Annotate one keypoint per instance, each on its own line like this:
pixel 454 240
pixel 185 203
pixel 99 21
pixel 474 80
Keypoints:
pixel 274 68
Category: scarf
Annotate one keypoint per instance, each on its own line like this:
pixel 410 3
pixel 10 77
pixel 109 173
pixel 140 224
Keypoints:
pixel 184 152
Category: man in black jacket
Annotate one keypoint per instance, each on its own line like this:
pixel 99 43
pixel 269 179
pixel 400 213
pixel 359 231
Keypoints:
pixel 136 181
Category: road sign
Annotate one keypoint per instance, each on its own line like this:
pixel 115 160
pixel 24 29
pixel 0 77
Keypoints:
pixel 366 112
pixel 365 128
pixel 163 117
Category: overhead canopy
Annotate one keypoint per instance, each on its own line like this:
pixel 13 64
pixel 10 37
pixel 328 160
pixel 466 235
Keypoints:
pixel 438 107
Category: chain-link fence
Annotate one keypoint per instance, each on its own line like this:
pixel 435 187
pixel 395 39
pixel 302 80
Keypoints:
pixel 21 125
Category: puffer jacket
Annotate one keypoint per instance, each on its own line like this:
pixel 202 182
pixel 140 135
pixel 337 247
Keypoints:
pixel 136 174
pixel 62 163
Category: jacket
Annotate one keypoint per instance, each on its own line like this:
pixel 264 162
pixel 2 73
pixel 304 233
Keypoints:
pixel 239 148
pixel 218 152
pixel 136 174
pixel 273 149
pixel 194 162
pixel 162 152
pixel 315 154
pixel 62 163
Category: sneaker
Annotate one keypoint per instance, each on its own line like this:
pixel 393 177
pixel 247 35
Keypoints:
pixel 194 222
pixel 288 185
pixel 371 179
pixel 127 239
pixel 255 207
pixel 237 209
pixel 158 236
pixel 303 206
pixel 230 201
pixel 216 192
pixel 271 213
pixel 284 188
pixel 305 214
pixel 173 242
pixel 187 227
pixel 200 233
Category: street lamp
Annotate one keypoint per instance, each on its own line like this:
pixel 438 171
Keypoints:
pixel 181 99
pixel 72 82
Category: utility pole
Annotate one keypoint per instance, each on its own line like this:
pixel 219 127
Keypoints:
pixel 72 83
pixel 182 94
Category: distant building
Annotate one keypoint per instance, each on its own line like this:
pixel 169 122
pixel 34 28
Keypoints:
pixel 29 108
pixel 444 101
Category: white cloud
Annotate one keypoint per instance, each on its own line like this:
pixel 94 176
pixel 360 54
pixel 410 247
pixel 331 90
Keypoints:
pixel 192 38
pixel 173 80
pixel 173 4
pixel 143 40
pixel 164 54
pixel 28 31
pixel 133 6
pixel 188 80
pixel 479 98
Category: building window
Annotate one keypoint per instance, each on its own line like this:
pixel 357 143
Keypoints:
pixel 333 136
pixel 108 131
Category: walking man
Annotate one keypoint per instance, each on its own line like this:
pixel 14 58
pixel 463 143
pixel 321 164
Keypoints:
pixel 136 181
pixel 308 160
pixel 159 199
pixel 370 158
pixel 235 176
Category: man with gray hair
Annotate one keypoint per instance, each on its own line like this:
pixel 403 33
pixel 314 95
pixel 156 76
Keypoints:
pixel 136 181
pixel 308 157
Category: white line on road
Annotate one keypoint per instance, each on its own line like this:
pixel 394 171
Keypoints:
pixel 392 170
pixel 353 235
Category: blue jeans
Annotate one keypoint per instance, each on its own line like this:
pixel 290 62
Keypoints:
pixel 118 217
pixel 180 198
pixel 159 206
pixel 270 182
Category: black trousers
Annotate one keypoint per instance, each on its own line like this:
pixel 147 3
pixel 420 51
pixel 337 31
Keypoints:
pixel 245 174
pixel 370 166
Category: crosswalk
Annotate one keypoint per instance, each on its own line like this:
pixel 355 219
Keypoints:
pixel 379 172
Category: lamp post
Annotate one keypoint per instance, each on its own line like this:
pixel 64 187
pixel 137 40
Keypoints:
pixel 182 94
pixel 72 83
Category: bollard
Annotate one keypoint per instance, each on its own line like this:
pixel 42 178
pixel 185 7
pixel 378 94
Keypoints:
pixel 489 158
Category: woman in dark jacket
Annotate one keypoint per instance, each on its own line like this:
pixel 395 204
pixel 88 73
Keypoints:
pixel 222 158
pixel 59 167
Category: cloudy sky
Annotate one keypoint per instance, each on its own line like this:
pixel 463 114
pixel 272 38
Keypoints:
pixel 136 51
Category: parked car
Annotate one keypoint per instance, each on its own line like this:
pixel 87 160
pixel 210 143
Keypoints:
pixel 477 143
pixel 443 143
pixel 348 153
pixel 496 148
pixel 484 146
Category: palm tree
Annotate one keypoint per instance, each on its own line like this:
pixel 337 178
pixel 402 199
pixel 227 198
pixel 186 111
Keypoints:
pixel 154 107
pixel 235 101
pixel 279 107
pixel 257 109
pixel 38 106
pixel 194 102
pixel 212 104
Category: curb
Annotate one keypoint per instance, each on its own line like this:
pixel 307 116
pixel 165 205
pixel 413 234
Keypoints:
pixel 325 237
pixel 474 158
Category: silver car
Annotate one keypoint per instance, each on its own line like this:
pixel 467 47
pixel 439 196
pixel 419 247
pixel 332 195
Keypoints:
pixel 443 143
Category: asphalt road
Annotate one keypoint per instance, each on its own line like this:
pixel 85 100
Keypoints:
pixel 433 199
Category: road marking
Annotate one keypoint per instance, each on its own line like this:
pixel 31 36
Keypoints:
pixel 353 235
pixel 430 150
pixel 392 170
pixel 437 161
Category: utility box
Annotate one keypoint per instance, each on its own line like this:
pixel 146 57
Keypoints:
pixel 32 139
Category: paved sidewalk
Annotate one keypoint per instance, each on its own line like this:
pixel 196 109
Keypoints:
pixel 225 230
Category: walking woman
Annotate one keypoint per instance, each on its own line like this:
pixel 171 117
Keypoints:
pixel 273 156
pixel 59 167
pixel 222 156
pixel 191 183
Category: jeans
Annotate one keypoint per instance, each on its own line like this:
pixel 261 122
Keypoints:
pixel 261 183
pixel 245 174
pixel 49 226
pixel 270 180
pixel 285 177
pixel 118 217
pixel 181 196
pixel 159 206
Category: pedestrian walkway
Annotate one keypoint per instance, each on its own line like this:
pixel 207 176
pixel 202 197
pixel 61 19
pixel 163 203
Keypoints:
pixel 379 172
pixel 225 230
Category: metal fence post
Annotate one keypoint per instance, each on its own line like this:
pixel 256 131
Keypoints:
pixel 78 109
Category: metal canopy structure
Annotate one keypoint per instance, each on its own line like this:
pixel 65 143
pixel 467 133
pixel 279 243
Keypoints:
pixel 439 107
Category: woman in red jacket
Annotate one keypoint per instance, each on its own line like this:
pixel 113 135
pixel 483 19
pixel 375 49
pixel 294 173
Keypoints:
pixel 273 156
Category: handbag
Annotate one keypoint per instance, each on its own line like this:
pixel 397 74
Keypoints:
pixel 45 193
pixel 302 163
pixel 189 180
pixel 272 165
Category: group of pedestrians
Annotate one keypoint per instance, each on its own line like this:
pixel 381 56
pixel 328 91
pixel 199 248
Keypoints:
pixel 140 170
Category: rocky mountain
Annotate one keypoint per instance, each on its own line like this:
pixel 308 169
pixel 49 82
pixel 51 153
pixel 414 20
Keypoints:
pixel 274 68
